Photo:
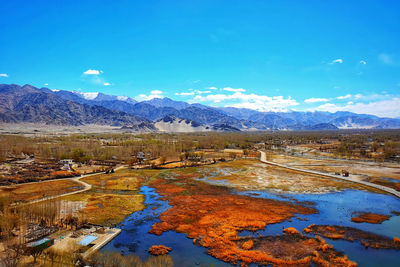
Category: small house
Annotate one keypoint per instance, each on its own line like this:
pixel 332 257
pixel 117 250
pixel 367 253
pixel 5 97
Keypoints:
pixel 141 156
pixel 41 244
pixel 67 164
pixel 66 161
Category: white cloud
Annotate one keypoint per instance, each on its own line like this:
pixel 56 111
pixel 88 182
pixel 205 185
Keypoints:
pixel 212 88
pixel 202 92
pixel 4 75
pixel 92 72
pixel 192 92
pixel 87 95
pixel 143 97
pixel 344 96
pixel 153 94
pixel 156 92
pixel 315 100
pixel 251 101
pixel 386 58
pixel 230 89
pixel 185 93
pixel 358 96
pixel 339 60
pixel 363 62
pixel 350 103
pixel 95 77
pixel 384 108
pixel 46 84
pixel 327 107
pixel 214 98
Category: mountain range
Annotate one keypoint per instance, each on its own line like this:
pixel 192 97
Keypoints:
pixel 60 107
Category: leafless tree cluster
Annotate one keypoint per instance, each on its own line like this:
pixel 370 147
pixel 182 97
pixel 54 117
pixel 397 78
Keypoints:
pixel 25 223
pixel 114 259
pixel 122 147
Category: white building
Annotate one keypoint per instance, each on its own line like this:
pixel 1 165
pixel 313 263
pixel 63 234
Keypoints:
pixel 66 161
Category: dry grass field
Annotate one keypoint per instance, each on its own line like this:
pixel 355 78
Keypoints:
pixel 253 175
pixel 34 191
pixel 113 197
pixel 387 174
pixel 107 209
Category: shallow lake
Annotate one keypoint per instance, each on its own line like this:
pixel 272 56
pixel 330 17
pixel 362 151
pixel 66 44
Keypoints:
pixel 334 209
pixel 135 239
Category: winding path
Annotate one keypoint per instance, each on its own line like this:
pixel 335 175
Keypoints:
pixel 263 158
pixel 85 185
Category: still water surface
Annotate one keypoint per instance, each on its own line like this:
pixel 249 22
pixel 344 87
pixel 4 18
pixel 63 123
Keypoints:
pixel 334 209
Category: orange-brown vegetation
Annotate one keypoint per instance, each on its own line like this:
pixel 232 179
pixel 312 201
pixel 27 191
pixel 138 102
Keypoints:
pixel 330 232
pixel 290 230
pixel 248 244
pixel 348 233
pixel 385 182
pixel 370 218
pixel 159 250
pixel 213 217
pixel 120 180
pixel 18 172
pixel 306 230
pixel 293 250
pixel 337 261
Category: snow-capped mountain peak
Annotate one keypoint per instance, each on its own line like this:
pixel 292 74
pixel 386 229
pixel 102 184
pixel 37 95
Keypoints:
pixel 122 98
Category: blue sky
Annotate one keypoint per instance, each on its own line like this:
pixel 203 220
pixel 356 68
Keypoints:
pixel 265 55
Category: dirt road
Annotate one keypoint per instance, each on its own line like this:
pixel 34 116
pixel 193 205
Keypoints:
pixel 75 179
pixel 263 158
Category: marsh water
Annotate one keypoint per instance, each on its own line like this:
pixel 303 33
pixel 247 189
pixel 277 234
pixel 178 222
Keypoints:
pixel 136 239
pixel 337 209
pixel 334 208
